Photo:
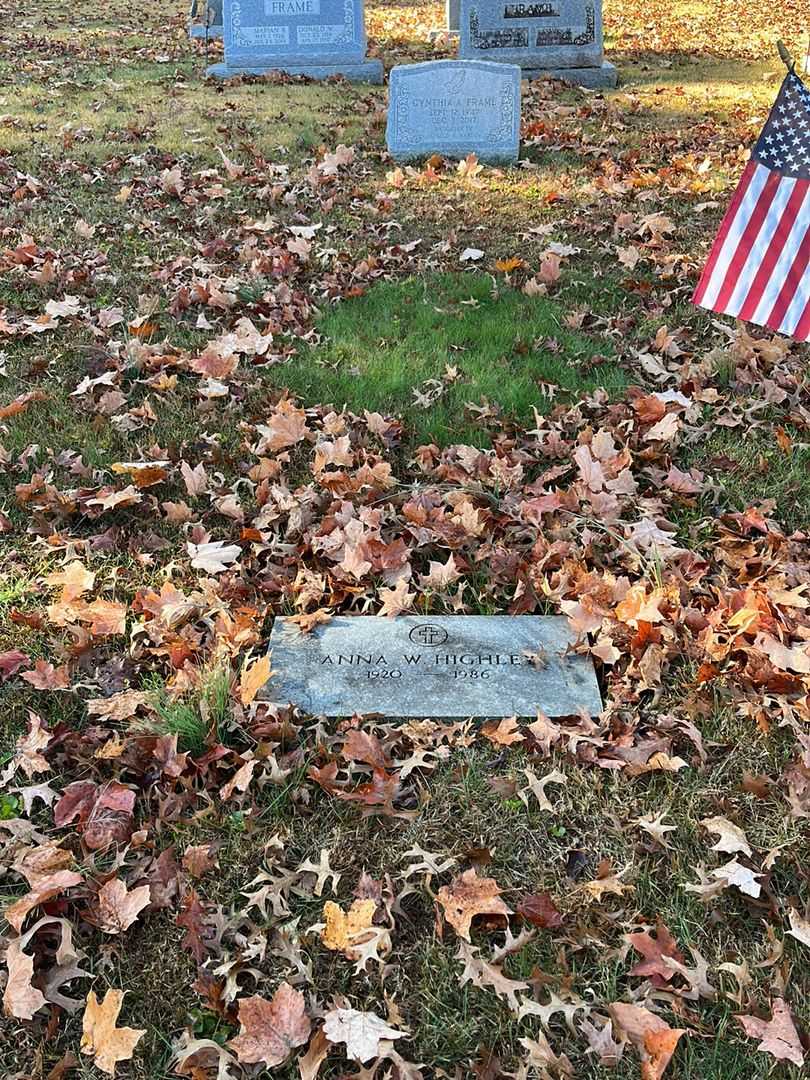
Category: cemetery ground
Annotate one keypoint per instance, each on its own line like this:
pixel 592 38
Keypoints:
pixel 248 366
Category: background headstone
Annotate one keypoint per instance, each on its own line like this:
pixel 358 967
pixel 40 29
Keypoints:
pixel 452 14
pixel 413 665
pixel 205 19
pixel 317 38
pixel 454 107
pixel 561 38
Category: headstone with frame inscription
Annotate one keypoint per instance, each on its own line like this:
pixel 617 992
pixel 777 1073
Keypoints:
pixel 555 38
pixel 317 38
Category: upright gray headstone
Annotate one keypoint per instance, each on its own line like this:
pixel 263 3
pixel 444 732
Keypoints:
pixel 413 665
pixel 317 38
pixel 454 107
pixel 205 19
pixel 559 38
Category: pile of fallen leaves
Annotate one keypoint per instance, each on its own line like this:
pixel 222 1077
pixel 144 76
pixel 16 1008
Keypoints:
pixel 574 515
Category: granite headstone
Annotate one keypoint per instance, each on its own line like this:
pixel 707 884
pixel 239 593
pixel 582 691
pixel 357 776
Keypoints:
pixel 205 19
pixel 432 666
pixel 559 38
pixel 454 107
pixel 317 38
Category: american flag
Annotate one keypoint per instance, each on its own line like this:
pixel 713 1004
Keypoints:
pixel 759 266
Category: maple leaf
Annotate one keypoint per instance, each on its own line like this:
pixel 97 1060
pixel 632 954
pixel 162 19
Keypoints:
pixel 196 479
pixel 395 601
pixel 468 896
pixel 213 557
pixel 504 733
pixel 440 575
pixel 253 679
pixel 652 1037
pixel 778 1036
pixel 118 907
pixel 286 427
pixel 362 1032
pixel 341 927
pixel 270 1030
pixel 469 167
pixel 198 859
pixel 100 1037
pixel 45 676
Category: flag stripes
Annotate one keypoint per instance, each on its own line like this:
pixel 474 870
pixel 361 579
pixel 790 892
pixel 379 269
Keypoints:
pixel 759 266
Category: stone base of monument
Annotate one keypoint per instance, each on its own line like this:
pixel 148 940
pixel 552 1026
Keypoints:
pixel 593 78
pixel 368 71
pixel 197 30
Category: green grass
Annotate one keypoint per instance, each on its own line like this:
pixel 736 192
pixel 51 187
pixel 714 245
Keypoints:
pixel 382 349
pixel 195 715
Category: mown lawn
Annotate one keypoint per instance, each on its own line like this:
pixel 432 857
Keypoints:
pixel 226 317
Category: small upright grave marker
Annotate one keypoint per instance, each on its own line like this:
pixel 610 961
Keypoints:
pixel 440 666
pixel 560 38
pixel 317 38
pixel 454 107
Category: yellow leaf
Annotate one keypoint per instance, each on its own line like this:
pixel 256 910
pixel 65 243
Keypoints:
pixel 341 927
pixel 253 679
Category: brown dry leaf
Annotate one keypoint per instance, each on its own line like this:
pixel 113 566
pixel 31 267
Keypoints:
pixel 309 1064
pixel 198 859
pixel 45 676
pixel 655 950
pixel 75 580
pixel 46 888
pixel 20 998
pixel 101 1038
pixel 652 1037
pixel 342 928
pixel 778 1036
pixel 286 427
pixel 119 907
pixel 29 758
pixel 270 1030
pixel 253 679
pixel 467 896
pixel 503 733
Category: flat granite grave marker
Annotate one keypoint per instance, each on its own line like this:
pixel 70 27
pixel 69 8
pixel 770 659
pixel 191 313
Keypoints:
pixel 317 38
pixel 440 666
pixel 558 38
pixel 454 107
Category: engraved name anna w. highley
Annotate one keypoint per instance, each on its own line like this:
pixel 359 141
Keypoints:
pixel 432 659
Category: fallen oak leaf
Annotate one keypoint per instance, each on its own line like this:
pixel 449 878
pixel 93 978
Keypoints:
pixel 468 896
pixel 503 733
pixel 654 951
pixel 101 1038
pixel 540 910
pixel 270 1030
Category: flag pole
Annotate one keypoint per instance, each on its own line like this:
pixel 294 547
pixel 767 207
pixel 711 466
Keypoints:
pixel 787 59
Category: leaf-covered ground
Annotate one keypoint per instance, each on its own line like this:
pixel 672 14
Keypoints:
pixel 247 367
